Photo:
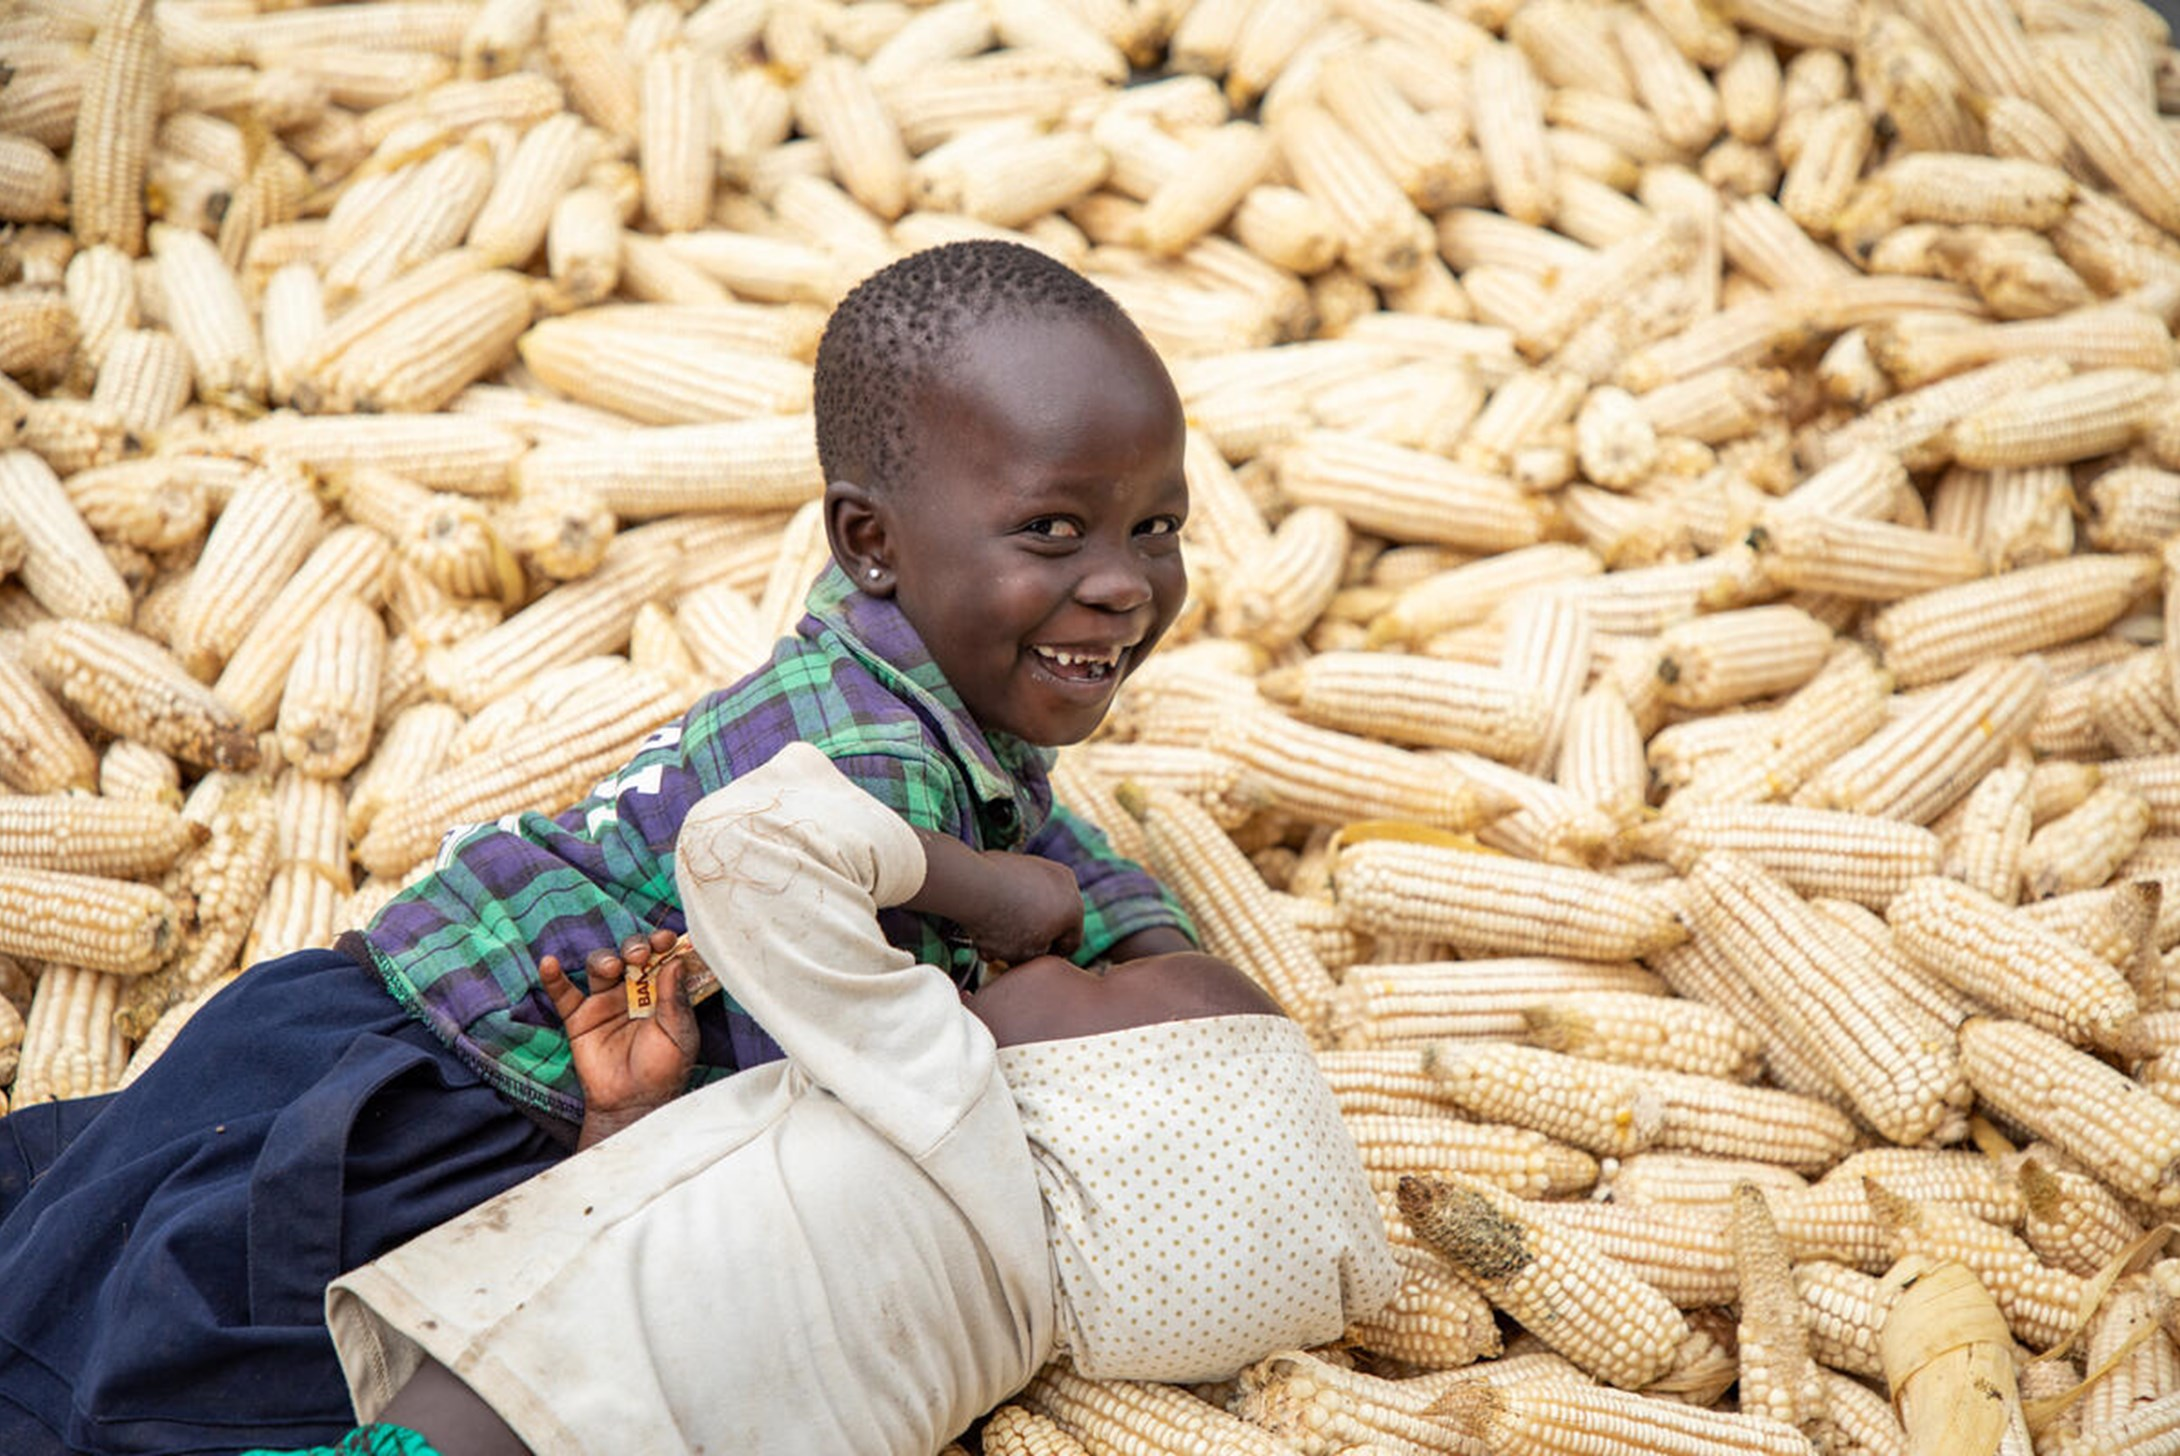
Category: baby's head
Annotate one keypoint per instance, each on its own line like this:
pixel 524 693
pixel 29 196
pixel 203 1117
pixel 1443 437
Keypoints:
pixel 1206 1204
pixel 1002 451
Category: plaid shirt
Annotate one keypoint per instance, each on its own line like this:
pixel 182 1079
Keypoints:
pixel 460 947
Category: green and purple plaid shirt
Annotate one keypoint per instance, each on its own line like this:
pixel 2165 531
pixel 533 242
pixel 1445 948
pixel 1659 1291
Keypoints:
pixel 460 948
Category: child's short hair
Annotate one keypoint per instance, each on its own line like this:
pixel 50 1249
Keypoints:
pixel 901 323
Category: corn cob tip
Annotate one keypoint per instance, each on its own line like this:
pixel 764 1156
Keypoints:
pixel 1464 1226
pixel 2041 1190
pixel 1133 798
pixel 1467 1408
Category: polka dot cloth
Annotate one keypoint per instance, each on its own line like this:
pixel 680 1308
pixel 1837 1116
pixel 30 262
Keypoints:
pixel 1207 1206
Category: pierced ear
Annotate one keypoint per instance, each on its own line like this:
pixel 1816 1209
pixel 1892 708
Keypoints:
pixel 855 527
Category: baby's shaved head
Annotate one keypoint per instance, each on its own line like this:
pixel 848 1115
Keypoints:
pixel 899 327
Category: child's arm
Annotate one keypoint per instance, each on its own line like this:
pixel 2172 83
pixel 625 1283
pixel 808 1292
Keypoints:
pixel 1127 913
pixel 1011 906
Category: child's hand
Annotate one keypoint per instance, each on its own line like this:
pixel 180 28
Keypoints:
pixel 628 1067
pixel 1033 907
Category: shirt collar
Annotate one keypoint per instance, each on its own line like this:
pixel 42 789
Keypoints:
pixel 1006 774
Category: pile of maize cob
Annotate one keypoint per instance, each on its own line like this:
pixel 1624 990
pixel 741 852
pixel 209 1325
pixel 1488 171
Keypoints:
pixel 1678 692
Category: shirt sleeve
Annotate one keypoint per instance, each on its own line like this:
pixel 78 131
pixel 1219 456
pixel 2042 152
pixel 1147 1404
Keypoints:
pixel 1119 896
pixel 781 876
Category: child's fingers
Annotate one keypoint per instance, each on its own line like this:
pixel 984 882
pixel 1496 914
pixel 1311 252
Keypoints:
pixel 604 968
pixel 566 998
pixel 675 1016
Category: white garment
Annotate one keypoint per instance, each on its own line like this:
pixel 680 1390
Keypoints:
pixel 848 1252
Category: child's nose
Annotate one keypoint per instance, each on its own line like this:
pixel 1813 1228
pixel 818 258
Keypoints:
pixel 1115 581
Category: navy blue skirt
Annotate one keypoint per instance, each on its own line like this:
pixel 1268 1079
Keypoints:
pixel 164 1251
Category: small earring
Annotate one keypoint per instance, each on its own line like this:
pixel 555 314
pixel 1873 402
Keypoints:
pixel 873 573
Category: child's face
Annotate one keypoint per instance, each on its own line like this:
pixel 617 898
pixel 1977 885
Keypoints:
pixel 1035 544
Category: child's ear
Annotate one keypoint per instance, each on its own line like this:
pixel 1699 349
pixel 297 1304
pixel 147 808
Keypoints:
pixel 856 529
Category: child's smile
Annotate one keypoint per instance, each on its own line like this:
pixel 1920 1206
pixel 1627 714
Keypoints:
pixel 1034 543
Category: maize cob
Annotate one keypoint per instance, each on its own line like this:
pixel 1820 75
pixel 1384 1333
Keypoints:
pixel 542 767
pixel 1896 1064
pixel 1546 822
pixel 1319 1407
pixel 1435 1322
pixel 1234 914
pixel 1127 1415
pixel 205 308
pixel 1815 852
pixel 114 127
pixel 1278 591
pixel 1548 640
pixel 1917 765
pixel 2093 413
pixel 1835 1219
pixel 330 703
pixel 1843 1310
pixel 1417 701
pixel 547 164
pixel 1778 1373
pixel 62 563
pixel 220 882
pixel 1549 1278
pixel 70 1046
pixel 92 921
pixel 137 771
pixel 1518 1159
pixel 1598 1107
pixel 1381 234
pixel 1329 777
pixel 2080 87
pixel 128 685
pixel 1470 593
pixel 2039 1303
pixel 43 750
pixel 2008 961
pixel 2134 508
pixel 1679 1251
pixel 1730 657
pixel 117 838
pixel 2080 849
pixel 1406 1005
pixel 442 452
pixel 1937 634
pixel 2142 1364
pixel 2070 1219
pixel 2099 1117
pixel 145 380
pixel 1485 902
pixel 351 560
pixel 1869 560
pixel 310 876
pixel 1014 1431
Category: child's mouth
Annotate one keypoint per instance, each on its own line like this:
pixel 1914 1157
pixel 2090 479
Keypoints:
pixel 1077 665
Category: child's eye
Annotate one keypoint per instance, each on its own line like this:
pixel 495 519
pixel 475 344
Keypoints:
pixel 1059 528
pixel 1159 526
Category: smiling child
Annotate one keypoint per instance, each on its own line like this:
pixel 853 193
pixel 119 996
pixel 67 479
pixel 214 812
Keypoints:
pixel 1004 496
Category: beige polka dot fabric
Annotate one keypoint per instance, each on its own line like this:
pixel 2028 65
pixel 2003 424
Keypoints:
pixel 1207 1206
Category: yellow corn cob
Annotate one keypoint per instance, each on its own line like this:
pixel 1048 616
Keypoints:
pixel 351 560
pixel 542 767
pixel 1127 1415
pixel 1896 1064
pixel 120 838
pixel 1578 1301
pixel 1843 1310
pixel 130 686
pixel 2040 1303
pixel 145 380
pixel 2005 960
pixel 91 921
pixel 1235 915
pixel 2093 1114
pixel 114 128
pixel 1778 1373
pixel 1408 1005
pixel 1937 634
pixel 1487 902
pixel 331 700
pixel 1813 851
pixel 70 1047
pixel 1918 764
pixel 2080 849
pixel 63 566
